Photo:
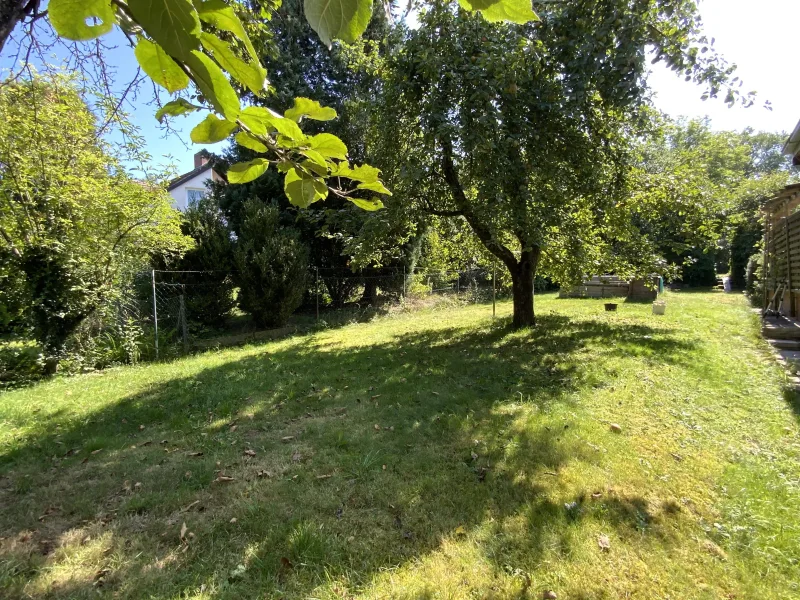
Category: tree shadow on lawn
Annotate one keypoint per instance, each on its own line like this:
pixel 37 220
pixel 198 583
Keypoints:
pixel 345 461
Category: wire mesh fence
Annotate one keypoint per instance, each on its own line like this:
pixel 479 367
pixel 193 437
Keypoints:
pixel 181 310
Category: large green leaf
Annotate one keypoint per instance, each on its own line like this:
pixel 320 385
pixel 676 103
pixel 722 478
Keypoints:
pixel 173 24
pixel 260 120
pixel 248 141
pixel 159 66
pixel 311 109
pixel 342 20
pixel 363 173
pixel 375 186
pixel 371 204
pixel 251 74
pixel 328 145
pixel 247 171
pixel 223 17
pixel 511 11
pixel 214 85
pixel 174 108
pixel 316 158
pixel 303 189
pixel 69 18
pixel 211 130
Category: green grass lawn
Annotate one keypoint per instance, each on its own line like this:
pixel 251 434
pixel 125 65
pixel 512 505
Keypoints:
pixel 423 455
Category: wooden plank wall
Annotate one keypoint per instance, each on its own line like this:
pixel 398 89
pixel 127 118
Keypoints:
pixel 782 251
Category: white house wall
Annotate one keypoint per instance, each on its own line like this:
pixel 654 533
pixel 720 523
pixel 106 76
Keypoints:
pixel 197 182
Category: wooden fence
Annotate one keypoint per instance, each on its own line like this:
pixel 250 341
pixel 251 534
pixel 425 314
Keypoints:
pixel 782 251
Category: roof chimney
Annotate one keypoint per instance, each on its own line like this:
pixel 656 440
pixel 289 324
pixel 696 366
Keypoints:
pixel 201 158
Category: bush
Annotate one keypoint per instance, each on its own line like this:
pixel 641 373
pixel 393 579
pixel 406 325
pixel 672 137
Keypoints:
pixel 753 277
pixel 699 269
pixel 20 363
pixel 211 299
pixel 743 245
pixel 271 264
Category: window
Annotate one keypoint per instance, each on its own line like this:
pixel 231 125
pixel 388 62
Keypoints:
pixel 194 196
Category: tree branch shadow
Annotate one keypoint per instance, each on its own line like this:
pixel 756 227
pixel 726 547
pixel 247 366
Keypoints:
pixel 364 457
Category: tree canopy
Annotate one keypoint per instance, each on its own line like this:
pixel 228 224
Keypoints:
pixel 71 220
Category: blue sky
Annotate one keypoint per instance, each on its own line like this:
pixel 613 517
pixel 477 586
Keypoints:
pixel 760 39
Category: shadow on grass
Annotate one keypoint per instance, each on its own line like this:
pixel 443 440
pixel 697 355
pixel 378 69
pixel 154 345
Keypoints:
pixel 360 458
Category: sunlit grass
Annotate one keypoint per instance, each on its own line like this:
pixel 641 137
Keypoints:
pixel 432 454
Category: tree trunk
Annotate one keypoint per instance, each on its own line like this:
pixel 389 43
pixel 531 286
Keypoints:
pixel 522 288
pixel 11 13
pixel 370 295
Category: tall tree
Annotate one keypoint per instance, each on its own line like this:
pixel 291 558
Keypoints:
pixel 71 220
pixel 525 131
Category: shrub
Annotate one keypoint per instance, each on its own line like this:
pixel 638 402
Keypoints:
pixel 211 299
pixel 743 245
pixel 753 276
pixel 271 265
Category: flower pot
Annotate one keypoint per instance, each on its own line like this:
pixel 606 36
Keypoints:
pixel 610 307
pixel 659 307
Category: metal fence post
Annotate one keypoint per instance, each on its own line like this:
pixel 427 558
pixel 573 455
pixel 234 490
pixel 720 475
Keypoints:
pixel 316 289
pixel 494 286
pixel 182 311
pixel 155 309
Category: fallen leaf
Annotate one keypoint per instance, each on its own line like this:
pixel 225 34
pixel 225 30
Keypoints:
pixel 137 485
pixel 549 595
pixel 223 479
pixel 377 427
pixel 184 529
pixel 264 474
pixel 460 530
pixel 233 520
pixel 286 563
pixel 249 452
pixel 328 476
pixel 375 397
pixel 190 506
pixel 615 428
pixel 297 457
pixel 96 451
pixel 141 427
pixel 233 428
pixel 287 438
pixel 195 454
pixel 474 456
pixel 604 543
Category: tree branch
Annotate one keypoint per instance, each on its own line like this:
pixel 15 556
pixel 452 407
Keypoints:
pixel 484 233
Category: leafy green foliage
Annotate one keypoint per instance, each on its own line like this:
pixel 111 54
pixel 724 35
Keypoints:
pixel 69 18
pixel 174 47
pixel 72 221
pixel 247 171
pixel 211 300
pixel 160 68
pixel 175 108
pixel 528 132
pixel 211 130
pixel 303 189
pixel 511 11
pixel 271 265
pixel 213 84
pixel 310 109
pixel 173 24
pixel 342 20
